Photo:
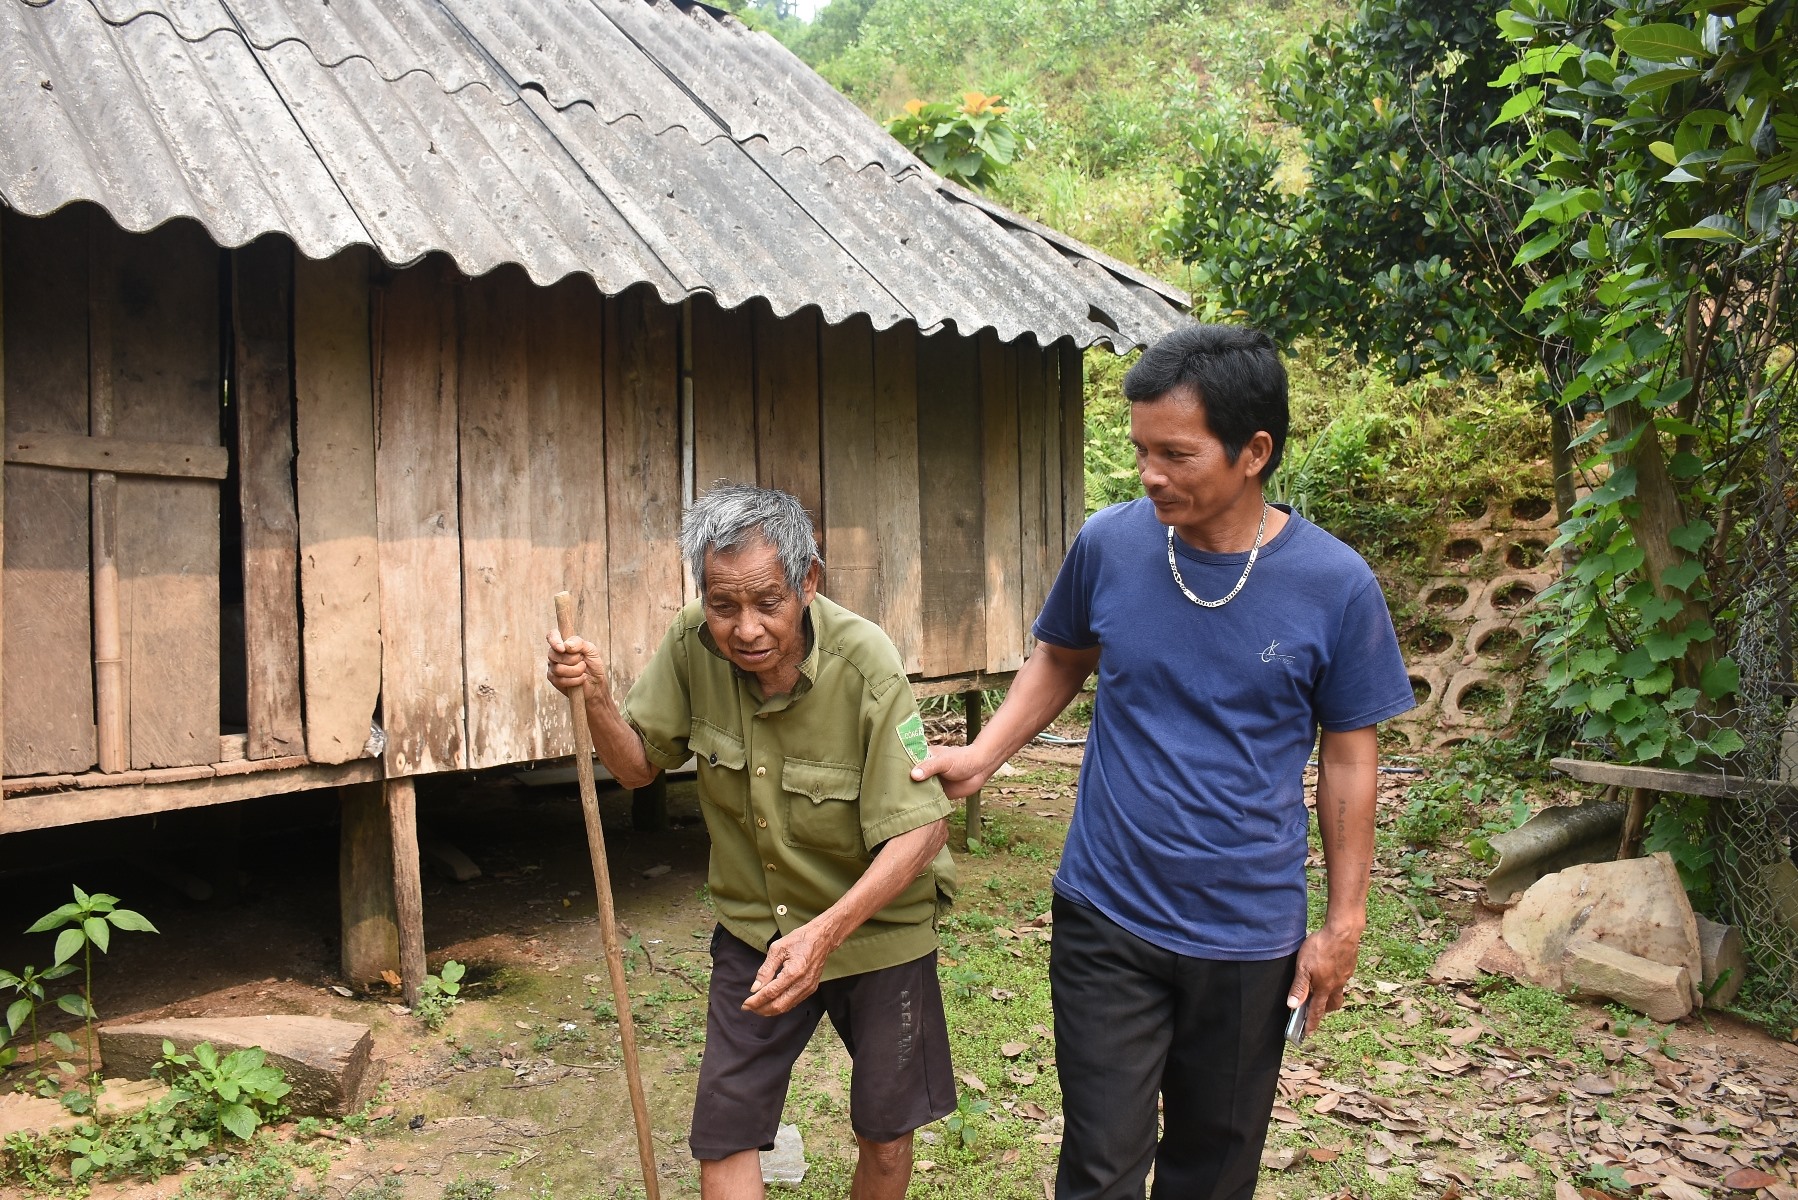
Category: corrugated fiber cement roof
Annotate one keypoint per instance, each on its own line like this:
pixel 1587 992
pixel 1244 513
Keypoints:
pixel 634 141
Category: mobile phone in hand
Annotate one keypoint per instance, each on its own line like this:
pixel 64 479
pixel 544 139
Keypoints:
pixel 1296 1023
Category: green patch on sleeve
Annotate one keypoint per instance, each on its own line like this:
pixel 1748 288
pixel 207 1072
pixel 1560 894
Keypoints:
pixel 911 736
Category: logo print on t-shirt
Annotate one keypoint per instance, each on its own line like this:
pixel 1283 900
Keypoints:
pixel 1273 651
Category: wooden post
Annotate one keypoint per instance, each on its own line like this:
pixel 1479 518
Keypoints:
pixel 109 653
pixel 649 806
pixel 365 891
pixel 2 487
pixel 971 707
pixel 408 888
pixel 1630 844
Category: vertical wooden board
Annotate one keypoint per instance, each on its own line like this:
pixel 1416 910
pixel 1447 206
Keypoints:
pixel 999 474
pixel 786 406
pixel 262 299
pixel 851 514
pixel 723 394
pixel 49 693
pixel 415 503
pixel 895 484
pixel 568 484
pixel 1073 441
pixel 500 614
pixel 951 515
pixel 161 290
pixel 1033 488
pixel 334 479
pixel 1050 400
pixel 642 469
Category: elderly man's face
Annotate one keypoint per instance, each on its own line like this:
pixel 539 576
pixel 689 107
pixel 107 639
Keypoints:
pixel 757 620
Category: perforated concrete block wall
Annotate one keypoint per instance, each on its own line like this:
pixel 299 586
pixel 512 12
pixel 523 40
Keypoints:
pixel 1463 634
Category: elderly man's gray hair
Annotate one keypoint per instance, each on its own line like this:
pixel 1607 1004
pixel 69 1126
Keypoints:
pixel 732 515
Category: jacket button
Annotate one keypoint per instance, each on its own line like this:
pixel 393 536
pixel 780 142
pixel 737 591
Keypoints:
pixel 780 910
pixel 761 770
pixel 772 867
pixel 762 822
pixel 713 760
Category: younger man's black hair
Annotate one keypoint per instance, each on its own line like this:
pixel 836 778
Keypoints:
pixel 1233 371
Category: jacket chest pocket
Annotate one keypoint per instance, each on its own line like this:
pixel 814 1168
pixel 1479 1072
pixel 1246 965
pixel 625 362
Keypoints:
pixel 722 783
pixel 822 807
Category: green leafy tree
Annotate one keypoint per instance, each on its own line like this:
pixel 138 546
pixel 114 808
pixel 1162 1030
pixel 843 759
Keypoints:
pixel 1664 143
pixel 969 143
pixel 1397 243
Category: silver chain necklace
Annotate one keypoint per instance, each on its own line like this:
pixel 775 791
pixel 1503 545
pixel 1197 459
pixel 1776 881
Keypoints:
pixel 1254 553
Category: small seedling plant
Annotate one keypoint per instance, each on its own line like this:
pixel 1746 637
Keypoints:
pixel 81 926
pixel 438 994
pixel 234 1093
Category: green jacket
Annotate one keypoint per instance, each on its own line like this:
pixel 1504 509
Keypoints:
pixel 800 791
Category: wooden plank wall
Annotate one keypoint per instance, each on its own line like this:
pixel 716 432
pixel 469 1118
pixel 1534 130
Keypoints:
pixel 951 513
pixel 334 474
pixel 851 506
pixel 262 299
pixel 419 521
pixel 158 294
pixel 49 692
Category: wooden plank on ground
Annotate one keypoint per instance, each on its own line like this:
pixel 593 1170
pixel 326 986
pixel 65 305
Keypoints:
pixel 415 502
pixel 851 517
pixel 723 394
pixel 1665 779
pixel 334 476
pixel 160 293
pixel 262 296
pixel 643 477
pixel 895 485
pixel 1073 440
pixel 999 473
pixel 49 693
pixel 568 485
pixel 786 405
pixel 951 515
pixel 500 622
pixel 1033 488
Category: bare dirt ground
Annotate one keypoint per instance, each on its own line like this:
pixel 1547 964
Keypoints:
pixel 1417 1089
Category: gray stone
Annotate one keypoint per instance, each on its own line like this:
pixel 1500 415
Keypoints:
pixel 1720 950
pixel 786 1162
pixel 327 1063
pixel 1654 989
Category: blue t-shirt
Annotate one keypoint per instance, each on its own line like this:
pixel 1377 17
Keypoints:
pixel 1191 821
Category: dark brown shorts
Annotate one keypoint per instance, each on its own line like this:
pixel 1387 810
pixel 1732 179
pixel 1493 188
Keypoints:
pixel 891 1022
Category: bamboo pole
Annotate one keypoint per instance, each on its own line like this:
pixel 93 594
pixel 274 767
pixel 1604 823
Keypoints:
pixel 608 923
pixel 109 654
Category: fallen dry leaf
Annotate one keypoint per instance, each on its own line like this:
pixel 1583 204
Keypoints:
pixel 1010 1156
pixel 973 1081
pixel 1013 1049
pixel 392 978
pixel 1466 1035
pixel 1744 1178
pixel 1679 1189
pixel 1324 1154
pixel 1287 1115
pixel 1033 1110
pixel 1326 1102
pixel 1280 1159
pixel 1566 1191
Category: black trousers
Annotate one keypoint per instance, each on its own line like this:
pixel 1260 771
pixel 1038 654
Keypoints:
pixel 1134 1021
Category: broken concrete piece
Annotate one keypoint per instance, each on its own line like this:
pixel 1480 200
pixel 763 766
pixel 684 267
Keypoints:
pixel 447 859
pixel 1637 905
pixel 786 1162
pixel 1553 839
pixel 1460 963
pixel 1656 990
pixel 1720 950
pixel 326 1062
pixel 21 1112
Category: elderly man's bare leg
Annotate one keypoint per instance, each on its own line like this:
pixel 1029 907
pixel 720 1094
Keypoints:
pixel 738 1177
pixel 882 1169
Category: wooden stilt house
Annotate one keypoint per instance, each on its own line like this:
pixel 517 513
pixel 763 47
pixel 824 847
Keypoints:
pixel 338 337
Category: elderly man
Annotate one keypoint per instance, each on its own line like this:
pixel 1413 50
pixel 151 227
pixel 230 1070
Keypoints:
pixel 828 860
pixel 1180 909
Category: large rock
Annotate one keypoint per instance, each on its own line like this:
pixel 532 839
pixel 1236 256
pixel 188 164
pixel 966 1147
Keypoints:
pixel 326 1062
pixel 1637 905
pixel 1654 989
pixel 1720 950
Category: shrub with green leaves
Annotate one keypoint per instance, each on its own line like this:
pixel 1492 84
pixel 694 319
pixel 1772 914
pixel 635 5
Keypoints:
pixel 438 994
pixel 969 143
pixel 231 1094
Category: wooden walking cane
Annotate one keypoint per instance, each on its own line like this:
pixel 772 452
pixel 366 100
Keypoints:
pixel 608 924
